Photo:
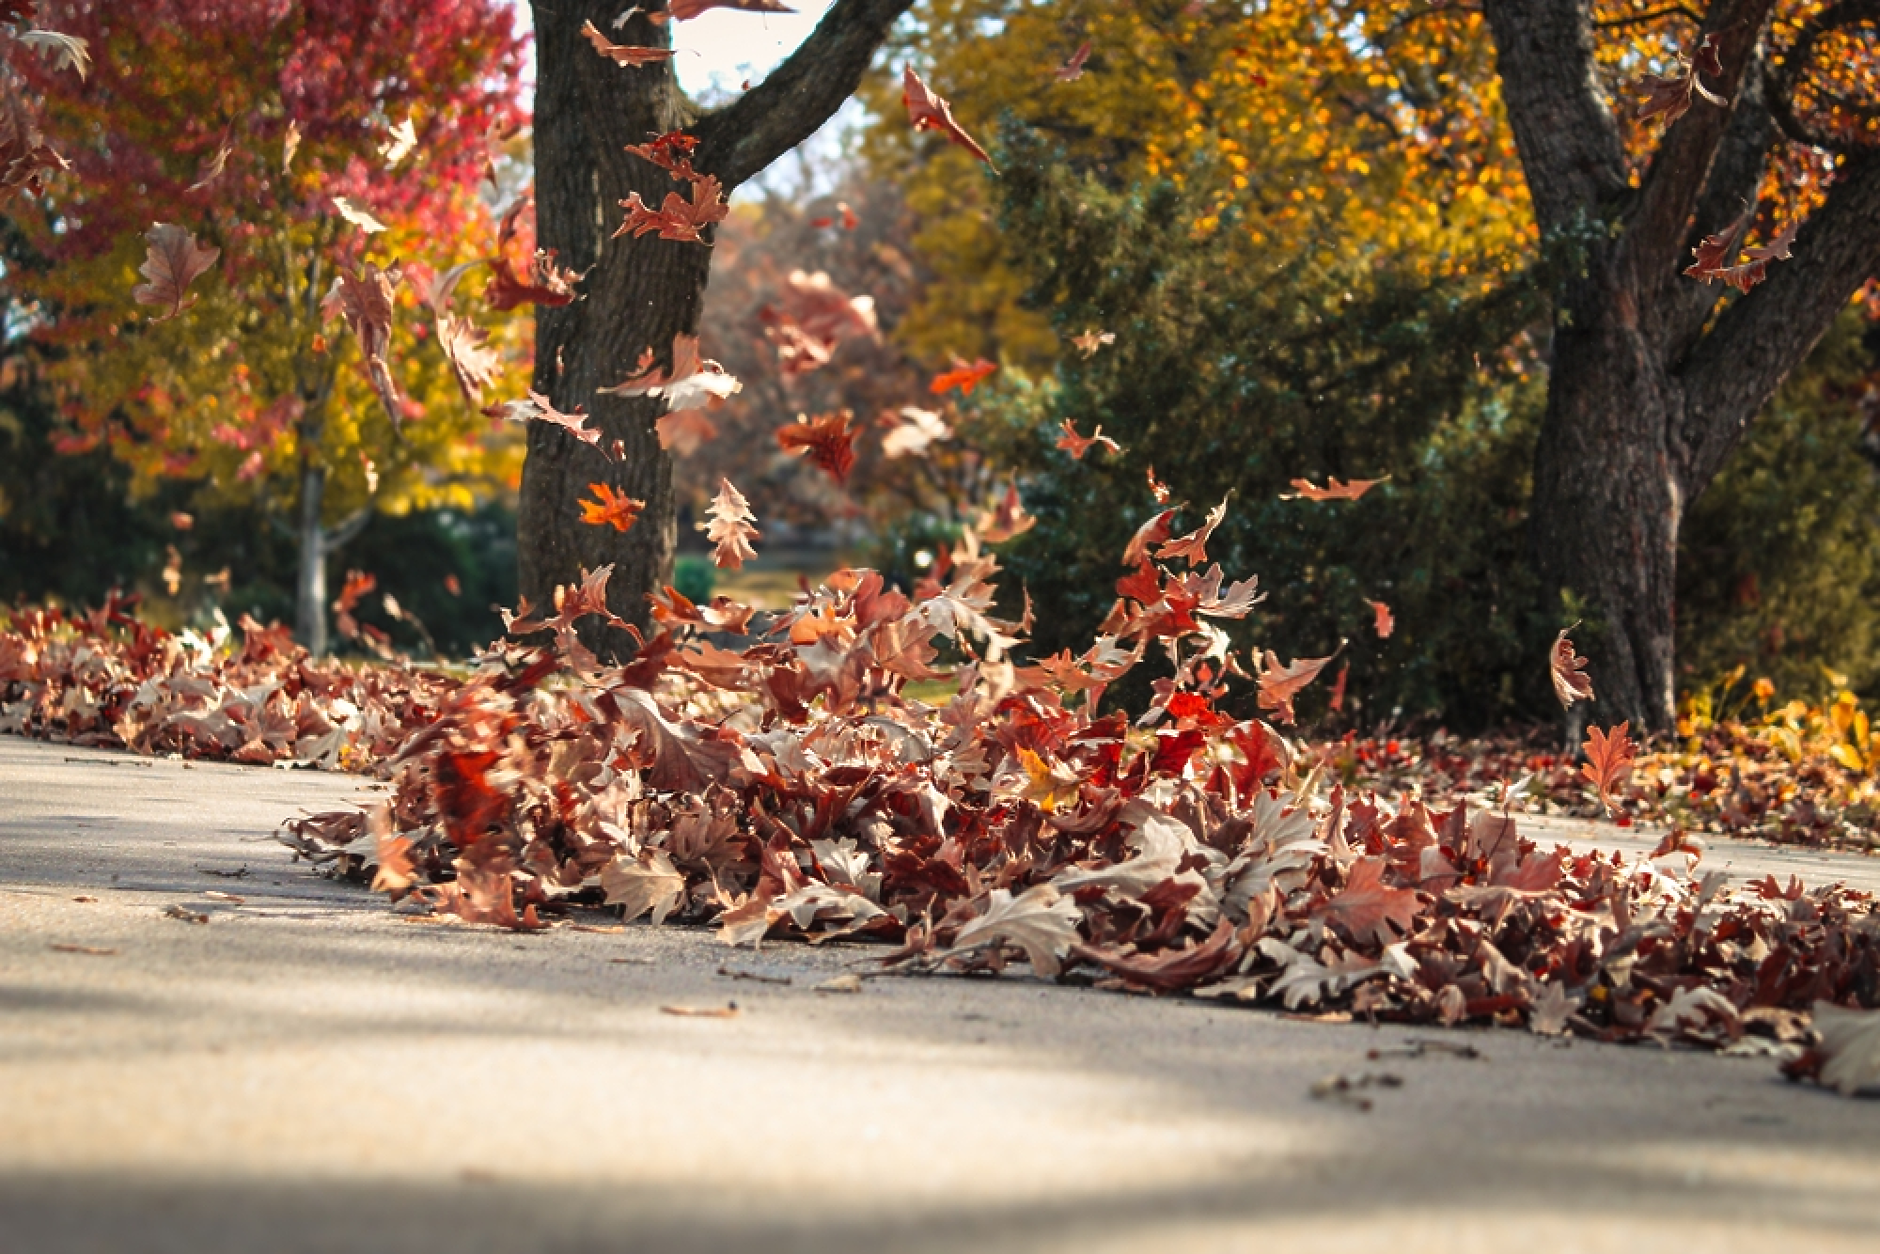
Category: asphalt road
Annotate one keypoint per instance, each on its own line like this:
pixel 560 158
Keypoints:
pixel 307 1071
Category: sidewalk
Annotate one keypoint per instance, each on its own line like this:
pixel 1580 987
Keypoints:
pixel 308 1072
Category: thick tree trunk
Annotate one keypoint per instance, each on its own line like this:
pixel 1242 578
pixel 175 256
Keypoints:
pixel 310 581
pixel 1607 500
pixel 639 293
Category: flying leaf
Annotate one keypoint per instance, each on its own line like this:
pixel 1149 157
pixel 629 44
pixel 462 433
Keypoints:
pixel 1571 682
pixel 290 144
pixel 1008 518
pixel 65 51
pixel 730 528
pixel 1194 545
pixel 364 298
pixel 1385 623
pixel 1091 340
pixel 684 431
pixel 1041 921
pixel 929 112
pixel 1334 489
pixel 912 436
pixel 399 143
pixel 827 440
pixel 357 585
pixel 1280 684
pixel 1153 532
pixel 212 168
pixel 677 219
pixel 174 261
pixel 1077 445
pixel 466 347
pixel 538 409
pixel 1368 911
pixel 357 216
pixel 962 376
pixel 623 54
pixel 1157 489
pixel 610 509
pixel 1609 757
pixel 1073 69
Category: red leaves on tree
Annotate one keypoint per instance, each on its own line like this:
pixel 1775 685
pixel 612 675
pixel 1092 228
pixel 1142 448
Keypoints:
pixel 611 509
pixel 1571 682
pixel 623 54
pixel 173 262
pixel 1714 255
pixel 1609 758
pixel 1077 445
pixel 929 112
pixel 827 440
pixel 962 376
pixel 1671 97
pixel 1334 489
pixel 730 529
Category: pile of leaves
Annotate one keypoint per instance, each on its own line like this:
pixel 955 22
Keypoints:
pixel 772 776
pixel 108 679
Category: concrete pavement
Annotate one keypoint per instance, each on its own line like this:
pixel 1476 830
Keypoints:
pixel 307 1071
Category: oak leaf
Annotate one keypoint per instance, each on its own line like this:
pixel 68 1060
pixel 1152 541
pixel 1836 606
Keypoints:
pixel 1040 921
pixel 1671 97
pixel 1073 69
pixel 1280 684
pixel 1334 489
pixel 1849 1052
pixel 364 298
pixel 647 883
pixel 684 431
pixel 623 54
pixel 1385 623
pixel 915 433
pixel 1194 545
pixel 174 261
pixel 827 440
pixel 677 219
pixel 538 409
pixel 1711 258
pixel 730 528
pixel 1609 758
pixel 1366 909
pixel 357 216
pixel 611 509
pixel 1077 445
pixel 1571 682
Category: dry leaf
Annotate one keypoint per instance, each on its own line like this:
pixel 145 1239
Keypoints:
pixel 173 262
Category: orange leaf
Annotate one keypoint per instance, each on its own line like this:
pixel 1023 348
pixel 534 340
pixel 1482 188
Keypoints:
pixel 1385 622
pixel 1280 684
pixel 828 441
pixel 1609 758
pixel 1334 489
pixel 1077 445
pixel 611 509
pixel 962 376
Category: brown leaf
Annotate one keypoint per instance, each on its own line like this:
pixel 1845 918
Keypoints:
pixel 1280 684
pixel 827 440
pixel 1571 682
pixel 727 1011
pixel 364 297
pixel 173 262
pixel 623 54
pixel 929 112
pixel 647 883
pixel 1334 489
pixel 1366 909
pixel 730 528
pixel 1077 445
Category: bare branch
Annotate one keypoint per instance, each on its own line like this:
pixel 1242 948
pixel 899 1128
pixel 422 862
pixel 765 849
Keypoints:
pixel 1639 19
pixel 738 141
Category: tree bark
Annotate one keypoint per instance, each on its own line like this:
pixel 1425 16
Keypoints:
pixel 638 293
pixel 1652 383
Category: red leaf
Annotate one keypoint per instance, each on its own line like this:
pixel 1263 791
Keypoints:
pixel 1073 69
pixel 1609 758
pixel 929 112
pixel 1194 545
pixel 623 54
pixel 962 376
pixel 1385 623
pixel 828 441
pixel 1077 445
pixel 174 261
pixel 677 219
pixel 1713 254
pixel 1334 489
pixel 1153 532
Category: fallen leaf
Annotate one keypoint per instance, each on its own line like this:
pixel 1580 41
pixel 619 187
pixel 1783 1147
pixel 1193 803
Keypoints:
pixel 95 951
pixel 1040 921
pixel 1384 622
pixel 848 982
pixel 827 440
pixel 185 914
pixel 1609 757
pixel 1367 910
pixel 1849 1051
pixel 727 1011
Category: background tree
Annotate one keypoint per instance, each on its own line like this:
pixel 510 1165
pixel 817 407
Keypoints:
pixel 1656 375
pixel 639 293
pixel 319 118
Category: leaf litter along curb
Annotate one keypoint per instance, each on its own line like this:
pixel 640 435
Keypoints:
pixel 791 787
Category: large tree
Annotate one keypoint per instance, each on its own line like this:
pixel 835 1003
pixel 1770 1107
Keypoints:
pixel 640 293
pixel 1656 375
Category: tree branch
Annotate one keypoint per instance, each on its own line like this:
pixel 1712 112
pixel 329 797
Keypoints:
pixel 1569 142
pixel 1758 340
pixel 738 141
pixel 1680 166
pixel 335 538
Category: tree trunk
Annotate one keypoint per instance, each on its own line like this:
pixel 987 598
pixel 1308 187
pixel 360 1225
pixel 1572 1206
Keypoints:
pixel 1607 502
pixel 1654 377
pixel 310 583
pixel 638 293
